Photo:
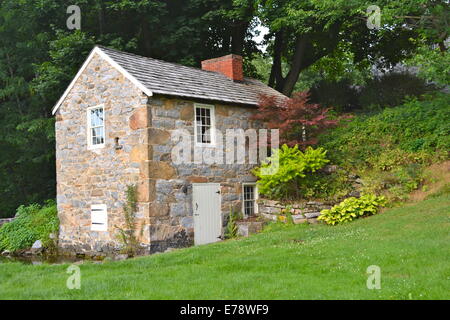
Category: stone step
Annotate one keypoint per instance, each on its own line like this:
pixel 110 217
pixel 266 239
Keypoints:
pixel 312 215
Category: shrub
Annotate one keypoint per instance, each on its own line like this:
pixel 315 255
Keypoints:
pixel 340 95
pixel 412 133
pixel 352 208
pixel 32 223
pixel 299 121
pixel 390 90
pixel 294 170
pixel 389 150
pixel 433 65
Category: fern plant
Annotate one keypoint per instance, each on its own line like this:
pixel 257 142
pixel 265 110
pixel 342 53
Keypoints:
pixel 231 228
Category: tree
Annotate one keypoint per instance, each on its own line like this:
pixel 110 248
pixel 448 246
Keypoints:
pixel 39 57
pixel 304 32
pixel 299 122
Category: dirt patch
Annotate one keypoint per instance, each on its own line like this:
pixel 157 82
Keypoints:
pixel 436 177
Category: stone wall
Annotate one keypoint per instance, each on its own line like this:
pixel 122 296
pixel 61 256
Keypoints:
pixel 171 220
pixel 101 176
pixel 143 126
pixel 305 211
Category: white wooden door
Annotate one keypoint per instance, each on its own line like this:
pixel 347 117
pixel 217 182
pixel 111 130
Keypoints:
pixel 207 212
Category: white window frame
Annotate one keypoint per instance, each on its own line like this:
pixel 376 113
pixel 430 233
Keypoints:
pixel 89 131
pixel 256 197
pixel 213 124
pixel 98 222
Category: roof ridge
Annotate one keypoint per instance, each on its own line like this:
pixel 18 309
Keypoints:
pixel 174 63
pixel 152 75
pixel 164 61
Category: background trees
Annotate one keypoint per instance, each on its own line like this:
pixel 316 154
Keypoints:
pixel 307 42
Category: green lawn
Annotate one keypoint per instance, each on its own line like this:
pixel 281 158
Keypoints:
pixel 409 244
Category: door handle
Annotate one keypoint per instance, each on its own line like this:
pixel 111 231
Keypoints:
pixel 196 206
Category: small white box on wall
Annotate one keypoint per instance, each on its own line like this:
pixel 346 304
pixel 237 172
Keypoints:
pixel 99 217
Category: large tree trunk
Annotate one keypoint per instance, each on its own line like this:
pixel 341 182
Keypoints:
pixel 298 64
pixel 304 55
pixel 276 73
pixel 238 33
pixel 240 28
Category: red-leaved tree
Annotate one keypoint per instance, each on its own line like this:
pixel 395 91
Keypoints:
pixel 299 121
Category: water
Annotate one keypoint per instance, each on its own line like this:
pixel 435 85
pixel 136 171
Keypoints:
pixel 37 260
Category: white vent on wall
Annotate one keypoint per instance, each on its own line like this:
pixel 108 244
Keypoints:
pixel 99 217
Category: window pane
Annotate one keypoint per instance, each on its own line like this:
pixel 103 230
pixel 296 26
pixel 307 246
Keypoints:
pixel 97 134
pixel 249 199
pixel 203 123
pixel 97 117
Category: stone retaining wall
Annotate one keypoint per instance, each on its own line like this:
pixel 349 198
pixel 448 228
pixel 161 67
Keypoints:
pixel 306 211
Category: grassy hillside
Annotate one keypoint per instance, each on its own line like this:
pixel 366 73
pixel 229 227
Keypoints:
pixel 390 150
pixel 409 244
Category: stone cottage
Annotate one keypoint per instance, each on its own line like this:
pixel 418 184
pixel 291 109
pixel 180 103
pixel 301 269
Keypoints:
pixel 114 128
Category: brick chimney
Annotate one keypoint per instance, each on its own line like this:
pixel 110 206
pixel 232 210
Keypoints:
pixel 230 66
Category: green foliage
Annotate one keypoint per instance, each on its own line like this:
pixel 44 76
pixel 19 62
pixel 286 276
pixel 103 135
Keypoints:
pixel 32 223
pixel 444 190
pixel 292 169
pixel 39 57
pixel 231 228
pixel 413 132
pixel 127 232
pixel 433 64
pixel 379 93
pixel 396 184
pixel 339 95
pixel 389 150
pixel 352 208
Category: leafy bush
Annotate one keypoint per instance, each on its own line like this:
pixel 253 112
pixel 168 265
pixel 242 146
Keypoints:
pixel 389 150
pixel 340 95
pixel 352 208
pixel 412 133
pixel 294 170
pixel 433 65
pixel 390 90
pixel 33 222
pixel 299 121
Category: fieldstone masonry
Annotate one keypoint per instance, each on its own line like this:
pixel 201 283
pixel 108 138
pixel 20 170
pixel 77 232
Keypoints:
pixel 142 127
pixel 302 211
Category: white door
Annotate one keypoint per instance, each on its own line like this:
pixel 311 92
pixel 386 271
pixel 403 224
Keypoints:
pixel 207 212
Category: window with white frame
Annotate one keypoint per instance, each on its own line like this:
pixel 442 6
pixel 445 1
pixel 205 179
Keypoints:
pixel 249 197
pixel 96 127
pixel 204 124
pixel 99 217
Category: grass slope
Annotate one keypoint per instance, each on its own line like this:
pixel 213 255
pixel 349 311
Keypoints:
pixel 409 244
